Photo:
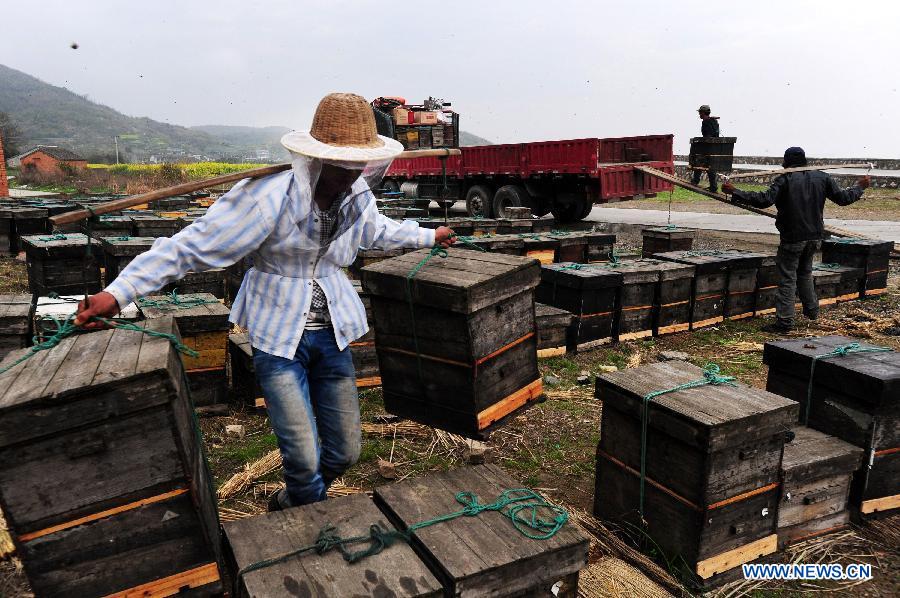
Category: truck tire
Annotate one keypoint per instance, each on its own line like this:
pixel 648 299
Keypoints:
pixel 478 201
pixel 509 196
pixel 410 190
pixel 571 212
pixel 391 186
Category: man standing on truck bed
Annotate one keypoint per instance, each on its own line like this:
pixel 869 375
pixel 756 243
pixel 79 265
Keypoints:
pixel 800 200
pixel 709 127
pixel 301 227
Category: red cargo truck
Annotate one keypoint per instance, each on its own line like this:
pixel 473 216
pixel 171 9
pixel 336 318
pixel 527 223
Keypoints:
pixel 563 177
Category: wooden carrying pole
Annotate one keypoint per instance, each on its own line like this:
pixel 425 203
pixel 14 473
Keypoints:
pixel 837 232
pixel 746 175
pixel 181 189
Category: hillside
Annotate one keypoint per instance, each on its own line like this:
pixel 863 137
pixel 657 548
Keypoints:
pixel 52 115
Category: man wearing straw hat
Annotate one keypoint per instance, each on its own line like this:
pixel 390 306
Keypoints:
pixel 300 227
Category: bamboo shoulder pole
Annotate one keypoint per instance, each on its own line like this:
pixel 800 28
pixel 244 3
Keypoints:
pixel 181 189
pixel 746 175
pixel 838 232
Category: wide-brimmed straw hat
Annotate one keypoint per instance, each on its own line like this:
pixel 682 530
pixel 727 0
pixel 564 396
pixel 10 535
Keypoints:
pixel 343 129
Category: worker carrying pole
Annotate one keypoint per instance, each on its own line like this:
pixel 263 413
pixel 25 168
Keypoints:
pixel 799 198
pixel 709 127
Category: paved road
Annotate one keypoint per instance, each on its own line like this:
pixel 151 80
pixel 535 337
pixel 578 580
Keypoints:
pixel 749 223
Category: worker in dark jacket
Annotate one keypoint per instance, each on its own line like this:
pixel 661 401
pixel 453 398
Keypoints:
pixel 800 200
pixel 709 127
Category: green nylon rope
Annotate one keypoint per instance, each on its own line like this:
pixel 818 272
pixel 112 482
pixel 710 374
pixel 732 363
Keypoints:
pixel 710 376
pixel 839 351
pixel 830 266
pixel 66 328
pixel 435 251
pixel 525 508
pixel 702 252
pixel 172 301
pixel 54 237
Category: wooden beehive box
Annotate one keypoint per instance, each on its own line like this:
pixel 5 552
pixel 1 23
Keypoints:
pixel 638 298
pixel 826 283
pixel 542 247
pixel 483 555
pixel 56 263
pixel 710 284
pixel 849 280
pixel 600 246
pixel 16 313
pixel 108 226
pixel 396 571
pixel 362 350
pixel 514 226
pixel 872 256
pixel 151 225
pixel 676 282
pixel 591 293
pixel 203 323
pixel 552 329
pixel 484 226
pixel 244 384
pixel 49 312
pixel 713 460
pixel 234 278
pixel 662 239
pixel 7 236
pixel 365 257
pixel 102 476
pixel 27 221
pixel 470 319
pixel 742 286
pixel 119 251
pixel 766 285
pixel 815 482
pixel 855 397
pixel 193 283
pixel 508 244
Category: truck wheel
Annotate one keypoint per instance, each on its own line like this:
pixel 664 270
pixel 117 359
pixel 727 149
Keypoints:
pixel 478 201
pixel 571 212
pixel 509 196
pixel 586 211
pixel 391 186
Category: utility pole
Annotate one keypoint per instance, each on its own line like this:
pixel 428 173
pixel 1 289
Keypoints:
pixel 116 138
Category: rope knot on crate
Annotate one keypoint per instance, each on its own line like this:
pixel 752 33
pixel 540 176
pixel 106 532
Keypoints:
pixel 66 328
pixel 711 376
pixel 839 351
pixel 524 507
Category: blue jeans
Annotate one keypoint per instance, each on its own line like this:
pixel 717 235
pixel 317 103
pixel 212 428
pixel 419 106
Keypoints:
pixel 314 409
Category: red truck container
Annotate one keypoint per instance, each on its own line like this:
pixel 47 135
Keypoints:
pixel 564 177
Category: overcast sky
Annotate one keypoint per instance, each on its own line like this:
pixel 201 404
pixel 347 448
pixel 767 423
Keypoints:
pixel 823 75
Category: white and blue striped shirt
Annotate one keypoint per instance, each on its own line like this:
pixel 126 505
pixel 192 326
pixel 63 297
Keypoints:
pixel 269 220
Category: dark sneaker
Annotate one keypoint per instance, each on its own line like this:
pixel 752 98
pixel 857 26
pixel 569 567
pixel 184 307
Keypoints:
pixel 811 315
pixel 275 502
pixel 777 328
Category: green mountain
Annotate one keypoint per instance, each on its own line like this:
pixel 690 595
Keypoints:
pixel 51 115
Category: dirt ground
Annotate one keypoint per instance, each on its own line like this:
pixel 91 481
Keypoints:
pixel 551 446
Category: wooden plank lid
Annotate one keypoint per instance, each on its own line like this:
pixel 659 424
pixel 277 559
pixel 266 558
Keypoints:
pixel 396 571
pixel 871 378
pixel 464 281
pixel 710 417
pixel 814 454
pixel 581 276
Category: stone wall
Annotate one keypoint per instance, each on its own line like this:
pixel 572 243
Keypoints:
pixel 880 163
pixel 844 180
